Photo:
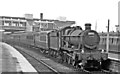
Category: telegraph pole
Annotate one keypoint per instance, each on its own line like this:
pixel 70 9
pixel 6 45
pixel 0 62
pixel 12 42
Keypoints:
pixel 107 42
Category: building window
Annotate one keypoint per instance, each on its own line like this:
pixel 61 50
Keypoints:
pixel 44 25
pixel 30 37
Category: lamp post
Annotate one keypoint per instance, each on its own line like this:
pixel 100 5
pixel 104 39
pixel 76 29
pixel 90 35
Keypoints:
pixel 107 47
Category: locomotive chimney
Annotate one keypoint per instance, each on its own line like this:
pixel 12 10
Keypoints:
pixel 41 16
pixel 87 26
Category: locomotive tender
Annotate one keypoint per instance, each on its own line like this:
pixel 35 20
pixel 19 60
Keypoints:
pixel 73 45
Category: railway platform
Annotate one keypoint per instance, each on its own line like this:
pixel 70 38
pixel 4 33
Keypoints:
pixel 114 56
pixel 12 61
pixel 115 61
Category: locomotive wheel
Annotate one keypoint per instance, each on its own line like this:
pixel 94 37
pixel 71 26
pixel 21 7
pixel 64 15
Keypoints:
pixel 66 58
pixel 80 65
pixel 46 52
pixel 51 53
pixel 69 60
pixel 73 62
pixel 61 57
pixel 41 50
pixel 54 54
pixel 57 54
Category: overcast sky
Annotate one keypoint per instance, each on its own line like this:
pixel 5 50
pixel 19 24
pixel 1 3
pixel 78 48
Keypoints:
pixel 81 11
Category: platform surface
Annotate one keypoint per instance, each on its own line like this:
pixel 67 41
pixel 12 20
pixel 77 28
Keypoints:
pixel 114 56
pixel 12 61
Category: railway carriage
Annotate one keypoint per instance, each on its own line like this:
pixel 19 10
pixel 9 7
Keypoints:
pixel 23 39
pixel 28 38
pixel 6 37
pixel 114 41
pixel 14 38
pixel 53 39
pixel 41 40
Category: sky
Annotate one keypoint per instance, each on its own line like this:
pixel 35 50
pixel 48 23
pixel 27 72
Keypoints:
pixel 81 11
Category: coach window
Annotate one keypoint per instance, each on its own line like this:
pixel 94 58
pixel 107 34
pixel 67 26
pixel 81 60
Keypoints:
pixel 115 41
pixel 112 41
pixel 43 38
pixel 31 37
pixel 100 40
pixel 118 40
pixel 109 40
pixel 103 40
pixel 27 37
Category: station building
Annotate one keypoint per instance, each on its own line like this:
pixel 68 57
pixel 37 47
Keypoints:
pixel 28 23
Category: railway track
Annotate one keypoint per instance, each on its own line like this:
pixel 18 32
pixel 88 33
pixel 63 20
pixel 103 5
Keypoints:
pixel 39 65
pixel 54 68
pixel 57 72
pixel 78 70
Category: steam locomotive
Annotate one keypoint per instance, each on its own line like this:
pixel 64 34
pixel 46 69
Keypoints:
pixel 73 45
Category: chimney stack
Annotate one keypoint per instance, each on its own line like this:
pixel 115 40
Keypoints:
pixel 87 26
pixel 41 16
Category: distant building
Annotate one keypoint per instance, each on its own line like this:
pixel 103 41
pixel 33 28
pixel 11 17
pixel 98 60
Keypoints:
pixel 117 28
pixel 28 23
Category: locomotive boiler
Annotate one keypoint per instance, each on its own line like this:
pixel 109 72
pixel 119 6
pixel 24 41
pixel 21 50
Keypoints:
pixel 77 37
